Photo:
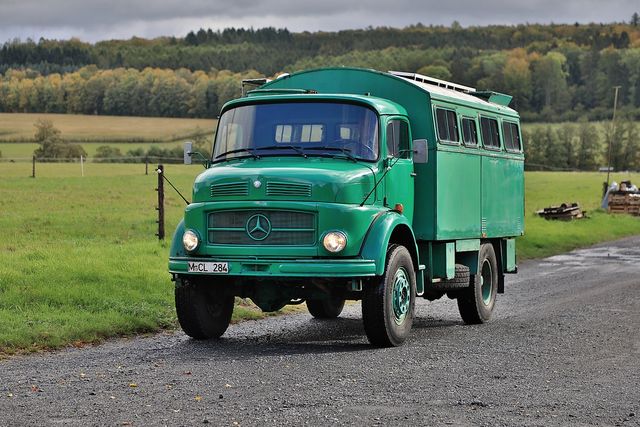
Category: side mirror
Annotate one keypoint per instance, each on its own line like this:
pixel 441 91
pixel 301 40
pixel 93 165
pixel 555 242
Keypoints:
pixel 188 145
pixel 420 151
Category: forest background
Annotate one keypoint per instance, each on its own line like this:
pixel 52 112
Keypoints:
pixel 556 73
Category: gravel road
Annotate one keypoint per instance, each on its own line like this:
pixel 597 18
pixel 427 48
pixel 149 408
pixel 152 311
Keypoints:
pixel 563 348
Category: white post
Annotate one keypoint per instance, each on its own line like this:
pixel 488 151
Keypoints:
pixel 82 165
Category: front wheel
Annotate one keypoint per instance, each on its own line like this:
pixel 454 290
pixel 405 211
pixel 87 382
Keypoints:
pixel 388 304
pixel 203 311
pixel 477 301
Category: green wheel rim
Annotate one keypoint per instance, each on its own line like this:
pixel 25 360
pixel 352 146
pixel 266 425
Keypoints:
pixel 401 295
pixel 486 282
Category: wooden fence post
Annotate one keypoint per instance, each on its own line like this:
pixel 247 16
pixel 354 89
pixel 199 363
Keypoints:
pixel 160 207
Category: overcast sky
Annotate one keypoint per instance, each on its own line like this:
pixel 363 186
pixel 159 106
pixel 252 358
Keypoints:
pixel 94 20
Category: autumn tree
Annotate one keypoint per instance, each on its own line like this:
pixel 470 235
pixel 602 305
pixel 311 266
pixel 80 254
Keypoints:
pixel 52 146
pixel 517 78
pixel 550 82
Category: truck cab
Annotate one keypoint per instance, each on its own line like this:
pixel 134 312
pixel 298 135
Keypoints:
pixel 323 187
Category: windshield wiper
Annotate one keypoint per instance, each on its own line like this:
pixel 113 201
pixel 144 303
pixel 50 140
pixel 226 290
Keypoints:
pixel 298 150
pixel 251 151
pixel 343 150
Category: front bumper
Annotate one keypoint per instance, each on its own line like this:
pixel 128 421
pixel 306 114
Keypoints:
pixel 317 268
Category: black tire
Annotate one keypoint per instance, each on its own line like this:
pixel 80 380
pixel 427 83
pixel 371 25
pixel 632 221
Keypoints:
pixel 476 302
pixel 388 324
pixel 459 281
pixel 204 312
pixel 461 278
pixel 328 308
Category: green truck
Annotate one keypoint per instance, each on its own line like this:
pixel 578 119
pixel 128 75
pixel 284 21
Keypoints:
pixel 343 184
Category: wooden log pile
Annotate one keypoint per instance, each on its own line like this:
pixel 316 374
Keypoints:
pixel 564 212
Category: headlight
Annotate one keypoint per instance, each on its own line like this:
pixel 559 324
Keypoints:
pixel 190 240
pixel 334 241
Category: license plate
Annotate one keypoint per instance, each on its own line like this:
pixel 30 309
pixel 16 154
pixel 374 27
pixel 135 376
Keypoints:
pixel 209 267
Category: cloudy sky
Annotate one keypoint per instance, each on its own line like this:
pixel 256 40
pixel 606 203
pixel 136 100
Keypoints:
pixel 94 20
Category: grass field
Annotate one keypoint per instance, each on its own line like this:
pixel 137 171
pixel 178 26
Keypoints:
pixel 16 127
pixel 543 189
pixel 78 258
pixel 79 261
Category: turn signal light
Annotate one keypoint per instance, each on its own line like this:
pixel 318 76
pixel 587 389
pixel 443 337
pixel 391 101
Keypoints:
pixel 399 208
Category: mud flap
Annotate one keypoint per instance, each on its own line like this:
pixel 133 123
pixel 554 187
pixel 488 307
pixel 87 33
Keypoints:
pixel 508 255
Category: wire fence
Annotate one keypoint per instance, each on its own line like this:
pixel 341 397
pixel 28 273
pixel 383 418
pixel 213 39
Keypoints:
pixel 179 160
pixel 89 159
pixel 83 166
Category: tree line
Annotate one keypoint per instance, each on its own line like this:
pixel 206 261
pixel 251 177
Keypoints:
pixel 554 72
pixel 582 146
pixel 233 48
pixel 122 92
pixel 555 86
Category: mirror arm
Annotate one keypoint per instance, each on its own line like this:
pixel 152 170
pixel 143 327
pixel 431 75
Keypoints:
pixel 205 161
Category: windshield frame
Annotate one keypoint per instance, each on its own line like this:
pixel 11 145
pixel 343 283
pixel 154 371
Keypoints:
pixel 257 152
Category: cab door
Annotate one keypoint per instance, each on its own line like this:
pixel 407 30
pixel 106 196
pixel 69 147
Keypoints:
pixel 399 180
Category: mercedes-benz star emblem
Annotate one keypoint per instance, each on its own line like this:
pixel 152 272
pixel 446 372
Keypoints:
pixel 258 227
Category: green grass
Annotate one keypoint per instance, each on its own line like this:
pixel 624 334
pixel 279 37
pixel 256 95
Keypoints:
pixel 79 261
pixel 78 258
pixel 17 127
pixel 543 189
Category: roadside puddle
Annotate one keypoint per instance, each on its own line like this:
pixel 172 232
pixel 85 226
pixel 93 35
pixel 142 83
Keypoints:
pixel 592 256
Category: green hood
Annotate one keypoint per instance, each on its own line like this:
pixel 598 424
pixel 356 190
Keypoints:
pixel 314 179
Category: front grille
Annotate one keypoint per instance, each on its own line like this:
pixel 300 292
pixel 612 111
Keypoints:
pixel 230 189
pixel 284 228
pixel 288 189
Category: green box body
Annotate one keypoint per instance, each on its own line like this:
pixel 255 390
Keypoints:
pixel 462 196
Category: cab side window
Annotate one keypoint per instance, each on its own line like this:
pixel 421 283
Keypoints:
pixel 398 139
pixel 447 122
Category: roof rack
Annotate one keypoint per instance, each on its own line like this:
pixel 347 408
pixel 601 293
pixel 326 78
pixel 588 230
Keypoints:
pixel 432 81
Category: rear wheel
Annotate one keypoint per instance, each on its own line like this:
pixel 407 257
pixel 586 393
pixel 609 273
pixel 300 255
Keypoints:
pixel 328 308
pixel 477 301
pixel 388 304
pixel 204 311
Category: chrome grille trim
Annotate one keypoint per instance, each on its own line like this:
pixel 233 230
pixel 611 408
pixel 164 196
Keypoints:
pixel 287 228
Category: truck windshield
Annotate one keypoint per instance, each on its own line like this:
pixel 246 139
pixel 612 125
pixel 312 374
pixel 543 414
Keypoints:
pixel 301 128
